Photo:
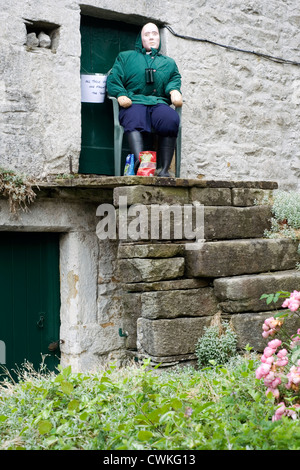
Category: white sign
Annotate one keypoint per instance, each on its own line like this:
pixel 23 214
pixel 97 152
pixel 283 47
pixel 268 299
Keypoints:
pixel 93 88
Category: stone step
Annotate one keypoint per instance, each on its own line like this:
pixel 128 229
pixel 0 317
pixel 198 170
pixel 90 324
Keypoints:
pixel 236 257
pixel 242 293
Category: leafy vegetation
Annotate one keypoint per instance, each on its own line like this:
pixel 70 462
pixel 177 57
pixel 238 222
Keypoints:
pixel 17 189
pixel 218 343
pixel 286 215
pixel 137 408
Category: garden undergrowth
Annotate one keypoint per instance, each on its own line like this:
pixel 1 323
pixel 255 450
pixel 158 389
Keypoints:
pixel 139 408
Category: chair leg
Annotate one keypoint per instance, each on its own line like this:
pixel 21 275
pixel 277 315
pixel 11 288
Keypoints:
pixel 118 137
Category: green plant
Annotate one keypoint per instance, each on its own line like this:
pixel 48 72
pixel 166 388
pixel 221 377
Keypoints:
pixel 220 407
pixel 17 189
pixel 215 345
pixel 286 212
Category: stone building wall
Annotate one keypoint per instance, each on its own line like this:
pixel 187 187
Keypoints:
pixel 241 111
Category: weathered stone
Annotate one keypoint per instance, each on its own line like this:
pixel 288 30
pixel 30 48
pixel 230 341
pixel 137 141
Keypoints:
pixel 131 312
pixel 137 269
pixel 44 40
pixel 171 337
pixel 32 40
pixel 150 195
pixel 235 257
pixel 158 250
pixel 179 303
pixel 242 293
pixel 248 327
pixel 177 284
pixel 236 222
pixel 211 196
pixel 251 196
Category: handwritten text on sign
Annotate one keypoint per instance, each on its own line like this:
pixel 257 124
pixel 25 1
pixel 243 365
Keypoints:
pixel 93 88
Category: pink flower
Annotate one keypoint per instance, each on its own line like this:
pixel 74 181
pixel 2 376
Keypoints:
pixel 279 412
pixel 274 391
pixel 267 360
pixel 282 353
pixel 275 343
pixel 293 302
pixel 270 327
pixel 262 371
pixel 268 352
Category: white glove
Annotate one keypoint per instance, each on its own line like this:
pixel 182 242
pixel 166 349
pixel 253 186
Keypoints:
pixel 176 98
pixel 124 101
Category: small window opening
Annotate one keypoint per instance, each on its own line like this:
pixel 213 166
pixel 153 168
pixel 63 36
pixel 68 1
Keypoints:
pixel 41 34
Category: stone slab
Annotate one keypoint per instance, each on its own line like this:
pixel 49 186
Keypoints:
pixel 179 303
pixel 242 293
pixel 172 337
pixel 225 223
pixel 141 270
pixel 99 181
pixel 251 196
pixel 157 250
pixel 159 223
pixel 248 327
pixel 141 194
pixel 236 257
pixel 211 196
pixel 177 284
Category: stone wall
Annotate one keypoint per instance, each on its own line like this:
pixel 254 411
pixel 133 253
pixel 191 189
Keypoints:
pixel 172 290
pixel 241 111
pixel 151 296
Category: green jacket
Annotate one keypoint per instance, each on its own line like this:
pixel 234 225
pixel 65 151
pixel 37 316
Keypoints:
pixel 128 76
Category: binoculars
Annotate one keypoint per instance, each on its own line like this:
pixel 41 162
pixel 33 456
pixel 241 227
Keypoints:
pixel 149 76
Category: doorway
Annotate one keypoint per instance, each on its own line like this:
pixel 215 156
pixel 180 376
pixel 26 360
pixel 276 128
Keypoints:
pixel 30 299
pixel 101 42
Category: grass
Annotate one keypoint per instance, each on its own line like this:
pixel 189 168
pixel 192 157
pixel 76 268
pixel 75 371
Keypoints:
pixel 137 408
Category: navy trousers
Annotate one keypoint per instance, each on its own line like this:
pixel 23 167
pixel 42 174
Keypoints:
pixel 160 118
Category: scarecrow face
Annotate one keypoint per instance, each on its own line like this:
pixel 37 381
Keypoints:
pixel 150 36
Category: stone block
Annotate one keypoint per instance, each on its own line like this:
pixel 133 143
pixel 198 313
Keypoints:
pixel 177 284
pixel 179 303
pixel 131 313
pixel 141 194
pixel 211 196
pixel 225 223
pixel 170 337
pixel 248 327
pixel 242 293
pixel 157 250
pixel 149 270
pixel 251 196
pixel 236 257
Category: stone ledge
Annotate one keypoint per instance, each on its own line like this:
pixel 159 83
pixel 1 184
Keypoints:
pixel 100 181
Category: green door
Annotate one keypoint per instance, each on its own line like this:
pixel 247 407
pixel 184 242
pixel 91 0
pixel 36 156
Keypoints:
pixel 30 298
pixel 101 42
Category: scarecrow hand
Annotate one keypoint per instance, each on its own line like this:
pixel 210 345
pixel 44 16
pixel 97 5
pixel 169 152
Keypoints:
pixel 124 101
pixel 176 98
